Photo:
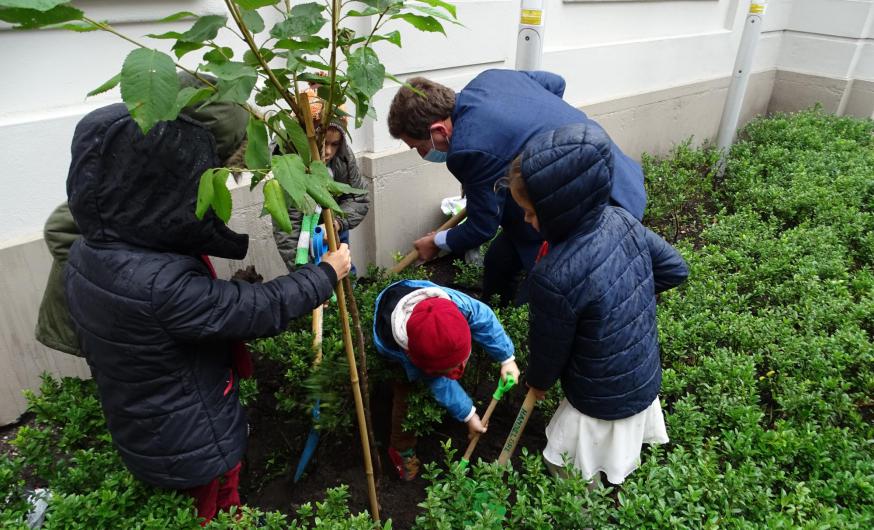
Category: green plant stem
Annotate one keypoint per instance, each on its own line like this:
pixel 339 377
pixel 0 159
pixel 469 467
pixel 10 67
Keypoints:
pixel 375 27
pixel 235 13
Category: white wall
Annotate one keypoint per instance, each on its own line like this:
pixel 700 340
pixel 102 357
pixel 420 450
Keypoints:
pixel 830 38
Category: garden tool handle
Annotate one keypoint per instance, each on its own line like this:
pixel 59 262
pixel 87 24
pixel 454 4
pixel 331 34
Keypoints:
pixel 503 386
pixel 518 427
pixel 413 255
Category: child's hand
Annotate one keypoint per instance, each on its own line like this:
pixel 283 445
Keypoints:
pixel 540 395
pixel 510 368
pixel 475 426
pixel 340 260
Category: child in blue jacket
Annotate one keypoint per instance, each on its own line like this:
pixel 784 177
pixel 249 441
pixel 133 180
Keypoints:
pixel 593 304
pixel 428 329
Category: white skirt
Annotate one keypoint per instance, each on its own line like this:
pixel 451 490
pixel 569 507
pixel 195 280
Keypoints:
pixel 594 445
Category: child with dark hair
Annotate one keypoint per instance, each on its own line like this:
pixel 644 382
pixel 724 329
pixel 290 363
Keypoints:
pixel 593 304
pixel 338 155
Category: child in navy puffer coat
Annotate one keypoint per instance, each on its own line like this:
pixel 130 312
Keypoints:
pixel 593 304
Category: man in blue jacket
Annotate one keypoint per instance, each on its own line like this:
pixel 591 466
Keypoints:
pixel 478 132
pixel 428 330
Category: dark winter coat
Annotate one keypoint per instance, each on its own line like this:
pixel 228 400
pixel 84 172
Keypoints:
pixel 593 303
pixel 494 116
pixel 54 328
pixel 156 328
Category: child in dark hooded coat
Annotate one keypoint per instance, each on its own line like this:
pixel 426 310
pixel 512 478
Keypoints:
pixel 593 304
pixel 159 331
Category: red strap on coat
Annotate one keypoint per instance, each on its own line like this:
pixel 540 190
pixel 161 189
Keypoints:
pixel 544 249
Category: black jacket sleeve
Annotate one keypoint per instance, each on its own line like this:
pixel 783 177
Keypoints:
pixel 668 267
pixel 192 306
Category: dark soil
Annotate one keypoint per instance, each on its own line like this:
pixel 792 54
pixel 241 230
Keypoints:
pixel 274 449
pixel 275 445
pixel 9 432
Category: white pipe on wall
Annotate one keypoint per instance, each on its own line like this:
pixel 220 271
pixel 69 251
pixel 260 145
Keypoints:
pixel 529 42
pixel 740 75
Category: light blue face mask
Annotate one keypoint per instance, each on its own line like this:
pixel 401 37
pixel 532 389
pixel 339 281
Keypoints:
pixel 434 155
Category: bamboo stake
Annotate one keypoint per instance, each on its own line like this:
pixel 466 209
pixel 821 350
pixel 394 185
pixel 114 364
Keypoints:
pixel 328 217
pixel 413 255
pixel 518 427
pixel 365 387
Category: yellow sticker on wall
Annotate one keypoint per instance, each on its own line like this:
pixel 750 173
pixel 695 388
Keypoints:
pixel 757 8
pixel 532 17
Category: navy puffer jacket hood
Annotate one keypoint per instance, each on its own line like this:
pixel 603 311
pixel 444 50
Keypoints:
pixel 593 306
pixel 569 174
pixel 142 190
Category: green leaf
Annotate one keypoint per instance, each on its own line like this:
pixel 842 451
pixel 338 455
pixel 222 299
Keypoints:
pixel 274 202
pixel 204 193
pixel 181 47
pixel 317 186
pixel 109 85
pixel 393 37
pixel 304 20
pixel 250 58
pixel 23 18
pixel 235 90
pixel 219 55
pixel 297 136
pixel 309 44
pixel 291 173
pixel 321 172
pixel 78 27
pixel 367 12
pixel 230 70
pixel 205 28
pixel 440 3
pixel 221 199
pixel 254 4
pixel 422 23
pixel 257 154
pixel 165 35
pixel 178 16
pixel 365 71
pixel 190 96
pixel 36 5
pixel 436 13
pixel 149 87
pixel 252 20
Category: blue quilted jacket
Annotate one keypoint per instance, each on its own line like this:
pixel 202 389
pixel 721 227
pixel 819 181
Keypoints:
pixel 593 296
pixel 485 329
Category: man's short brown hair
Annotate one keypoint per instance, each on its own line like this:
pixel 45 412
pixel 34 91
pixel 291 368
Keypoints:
pixel 411 113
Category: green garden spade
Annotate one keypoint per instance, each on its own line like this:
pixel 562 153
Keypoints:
pixel 503 386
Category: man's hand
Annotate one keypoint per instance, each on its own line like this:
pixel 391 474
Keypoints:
pixel 426 247
pixel 510 368
pixel 540 395
pixel 475 426
pixel 340 260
